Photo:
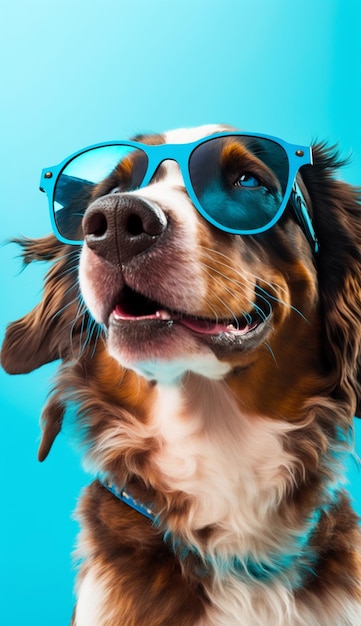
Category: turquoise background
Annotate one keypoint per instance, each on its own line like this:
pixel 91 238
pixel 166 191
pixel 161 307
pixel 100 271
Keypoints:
pixel 80 72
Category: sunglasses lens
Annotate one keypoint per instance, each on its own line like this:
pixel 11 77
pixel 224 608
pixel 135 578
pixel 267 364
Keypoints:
pixel 92 174
pixel 239 181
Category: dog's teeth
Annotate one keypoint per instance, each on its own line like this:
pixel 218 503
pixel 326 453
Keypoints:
pixel 163 315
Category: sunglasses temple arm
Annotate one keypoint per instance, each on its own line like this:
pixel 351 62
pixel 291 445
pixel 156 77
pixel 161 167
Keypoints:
pixel 302 214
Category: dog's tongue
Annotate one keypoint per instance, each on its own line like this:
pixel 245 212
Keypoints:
pixel 203 327
pixel 210 328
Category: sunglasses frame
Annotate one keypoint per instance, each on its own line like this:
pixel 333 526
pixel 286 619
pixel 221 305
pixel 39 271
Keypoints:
pixel 181 153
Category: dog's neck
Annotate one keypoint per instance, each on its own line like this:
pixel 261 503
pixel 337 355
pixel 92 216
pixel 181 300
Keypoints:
pixel 234 479
pixel 292 568
pixel 125 496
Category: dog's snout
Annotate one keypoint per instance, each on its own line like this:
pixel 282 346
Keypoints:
pixel 120 227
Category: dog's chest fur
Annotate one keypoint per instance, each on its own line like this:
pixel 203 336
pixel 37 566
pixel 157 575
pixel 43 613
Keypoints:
pixel 232 478
pixel 237 605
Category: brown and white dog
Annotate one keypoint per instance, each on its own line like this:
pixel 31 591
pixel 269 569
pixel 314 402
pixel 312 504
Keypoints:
pixel 230 436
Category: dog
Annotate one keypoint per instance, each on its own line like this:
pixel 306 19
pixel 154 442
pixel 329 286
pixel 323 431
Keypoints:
pixel 204 299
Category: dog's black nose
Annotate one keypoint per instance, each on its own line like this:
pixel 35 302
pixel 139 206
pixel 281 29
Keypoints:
pixel 119 227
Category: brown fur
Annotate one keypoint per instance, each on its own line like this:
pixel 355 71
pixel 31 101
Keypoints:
pixel 316 386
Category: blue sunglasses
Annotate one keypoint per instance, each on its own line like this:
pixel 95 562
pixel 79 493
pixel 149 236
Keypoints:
pixel 239 182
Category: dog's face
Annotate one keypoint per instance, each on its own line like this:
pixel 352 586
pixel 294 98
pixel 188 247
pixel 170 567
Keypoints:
pixel 177 294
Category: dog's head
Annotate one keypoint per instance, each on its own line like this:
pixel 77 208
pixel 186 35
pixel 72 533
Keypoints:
pixel 175 293
pixel 171 291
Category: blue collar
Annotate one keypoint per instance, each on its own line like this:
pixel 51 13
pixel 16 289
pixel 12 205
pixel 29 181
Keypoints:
pixel 281 566
pixel 124 496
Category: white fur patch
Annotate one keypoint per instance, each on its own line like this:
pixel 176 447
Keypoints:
pixel 233 466
pixel 170 372
pixel 272 605
pixel 91 601
pixel 187 135
pixel 90 296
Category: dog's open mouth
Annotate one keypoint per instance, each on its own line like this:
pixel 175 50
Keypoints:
pixel 133 307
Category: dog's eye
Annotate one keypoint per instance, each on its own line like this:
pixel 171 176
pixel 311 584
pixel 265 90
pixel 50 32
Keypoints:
pixel 247 180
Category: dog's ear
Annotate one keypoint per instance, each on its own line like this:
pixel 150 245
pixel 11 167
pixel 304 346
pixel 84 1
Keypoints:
pixel 58 325
pixel 51 423
pixel 336 208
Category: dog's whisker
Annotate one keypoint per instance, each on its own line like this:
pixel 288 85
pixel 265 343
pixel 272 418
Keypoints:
pixel 80 314
pixel 66 272
pixel 275 299
pixel 226 290
pixel 93 332
pixel 269 349
pixel 211 306
pixel 68 304
pixel 256 280
pixel 252 304
pixel 233 315
pixel 84 328
pixel 245 272
pixel 217 273
pixel 259 290
pixel 246 276
pixel 98 334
